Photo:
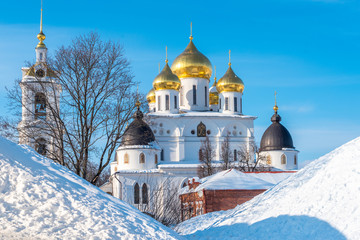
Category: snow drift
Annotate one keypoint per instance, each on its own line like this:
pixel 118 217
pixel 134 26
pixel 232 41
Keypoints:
pixel 43 200
pixel 321 201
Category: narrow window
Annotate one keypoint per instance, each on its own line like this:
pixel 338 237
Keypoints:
pixel 240 105
pixel 283 159
pixel 40 106
pixel 144 193
pixel 136 194
pixel 159 103
pixel 126 158
pixel 206 96
pixel 41 56
pixel 226 103
pixel 142 158
pixel 194 94
pixel 40 146
pixel 220 103
pixel 175 102
pixel 268 160
pixel 295 160
pixel 235 155
pixel 162 155
pixel 156 159
pixel 167 102
pixel 235 104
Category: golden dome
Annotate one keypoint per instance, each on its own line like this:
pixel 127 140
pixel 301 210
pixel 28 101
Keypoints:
pixel 230 82
pixel 213 95
pixel 166 80
pixel 150 97
pixel 192 63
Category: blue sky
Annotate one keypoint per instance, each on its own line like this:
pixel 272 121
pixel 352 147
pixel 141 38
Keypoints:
pixel 308 51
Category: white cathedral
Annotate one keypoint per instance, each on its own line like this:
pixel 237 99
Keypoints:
pixel 184 109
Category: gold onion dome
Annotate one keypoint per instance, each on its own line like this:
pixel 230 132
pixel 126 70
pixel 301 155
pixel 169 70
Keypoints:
pixel 150 97
pixel 192 63
pixel 230 82
pixel 166 80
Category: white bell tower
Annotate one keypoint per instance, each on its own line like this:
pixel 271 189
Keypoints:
pixel 40 103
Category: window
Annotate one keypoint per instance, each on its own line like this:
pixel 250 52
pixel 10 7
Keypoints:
pixel 142 158
pixel 40 146
pixel 268 160
pixel 235 104
pixel 167 102
pixel 283 159
pixel 159 103
pixel 226 103
pixel 162 155
pixel 235 155
pixel 220 103
pixel 175 102
pixel 144 193
pixel 295 160
pixel 194 94
pixel 41 56
pixel 126 158
pixel 240 105
pixel 206 96
pixel 136 194
pixel 156 159
pixel 40 106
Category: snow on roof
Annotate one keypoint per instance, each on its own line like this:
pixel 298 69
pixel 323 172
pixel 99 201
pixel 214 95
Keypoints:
pixel 40 199
pixel 199 114
pixel 232 179
pixel 321 201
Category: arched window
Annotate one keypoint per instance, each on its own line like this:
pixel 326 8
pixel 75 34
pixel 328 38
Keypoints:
pixel 201 130
pixel 40 106
pixel 136 194
pixel 126 158
pixel 283 159
pixel 142 158
pixel 162 155
pixel 268 160
pixel 235 155
pixel 40 146
pixel 295 160
pixel 156 159
pixel 144 193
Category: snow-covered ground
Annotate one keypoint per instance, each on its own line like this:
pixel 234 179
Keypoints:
pixel 321 201
pixel 42 200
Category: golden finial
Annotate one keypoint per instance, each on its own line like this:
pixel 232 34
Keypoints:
pixel 41 35
pixel 137 104
pixel 229 57
pixel 166 60
pixel 276 108
pixel 191 36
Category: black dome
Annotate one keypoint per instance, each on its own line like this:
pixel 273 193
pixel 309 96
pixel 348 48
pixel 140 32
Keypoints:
pixel 276 136
pixel 138 132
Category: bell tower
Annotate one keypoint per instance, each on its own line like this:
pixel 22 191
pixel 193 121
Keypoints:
pixel 40 103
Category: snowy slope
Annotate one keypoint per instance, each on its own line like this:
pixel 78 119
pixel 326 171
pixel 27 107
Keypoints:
pixel 321 201
pixel 42 200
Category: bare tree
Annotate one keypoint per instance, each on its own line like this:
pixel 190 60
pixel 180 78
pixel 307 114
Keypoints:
pixel 226 154
pixel 249 159
pixel 206 156
pixel 97 101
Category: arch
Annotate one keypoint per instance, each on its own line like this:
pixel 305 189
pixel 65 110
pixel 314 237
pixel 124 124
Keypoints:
pixel 136 194
pixel 40 146
pixel 268 160
pixel 144 193
pixel 142 158
pixel 201 130
pixel 126 158
pixel 40 106
pixel 156 159
pixel 295 159
pixel 283 159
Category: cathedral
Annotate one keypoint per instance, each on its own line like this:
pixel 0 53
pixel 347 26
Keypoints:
pixel 160 149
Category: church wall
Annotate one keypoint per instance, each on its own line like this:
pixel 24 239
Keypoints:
pixel 187 94
pixel 133 159
pixel 276 159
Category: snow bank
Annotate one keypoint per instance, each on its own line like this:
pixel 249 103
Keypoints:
pixel 321 201
pixel 42 200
